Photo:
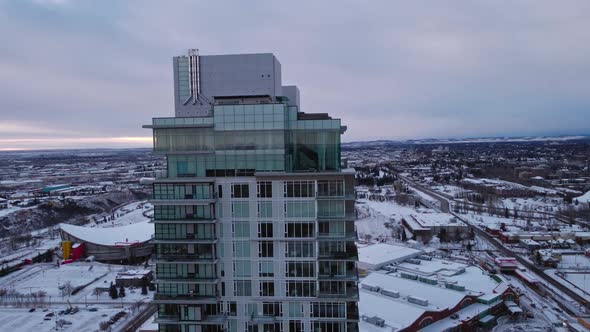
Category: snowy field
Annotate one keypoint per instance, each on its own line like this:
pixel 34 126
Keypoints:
pixel 47 277
pixel 539 203
pixel 126 215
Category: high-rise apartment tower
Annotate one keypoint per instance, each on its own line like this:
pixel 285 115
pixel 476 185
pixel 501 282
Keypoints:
pixel 254 216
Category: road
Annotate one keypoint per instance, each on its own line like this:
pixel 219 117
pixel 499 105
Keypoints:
pixel 137 320
pixel 500 247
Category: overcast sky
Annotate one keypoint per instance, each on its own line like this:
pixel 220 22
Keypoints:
pixel 89 74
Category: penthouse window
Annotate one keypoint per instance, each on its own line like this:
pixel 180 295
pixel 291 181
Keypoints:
pixel 264 189
pixel 299 229
pixel 266 249
pixel 300 209
pixel 240 190
pixel 300 288
pixel 265 229
pixel 242 269
pixel 267 288
pixel 320 326
pixel 272 309
pixel 241 249
pixel 240 209
pixel 300 269
pixel 265 209
pixel 295 326
pixel 242 288
pixel 266 269
pixel 330 188
pixel 299 249
pixel 327 309
pixel 299 189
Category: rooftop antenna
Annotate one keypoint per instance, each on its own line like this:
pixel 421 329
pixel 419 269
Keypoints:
pixel 194 75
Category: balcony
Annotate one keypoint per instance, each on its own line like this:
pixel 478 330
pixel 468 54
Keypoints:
pixel 339 216
pixel 350 294
pixel 185 258
pixel 352 312
pixel 176 319
pixel 349 275
pixel 189 238
pixel 184 201
pixel 184 122
pixel 162 177
pixel 160 298
pixel 186 280
pixel 260 318
pixel 351 253
pixel 345 196
pixel 338 235
pixel 189 219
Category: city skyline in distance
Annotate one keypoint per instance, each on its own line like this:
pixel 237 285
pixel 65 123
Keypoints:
pixel 425 71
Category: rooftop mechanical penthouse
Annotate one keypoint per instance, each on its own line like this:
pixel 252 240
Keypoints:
pixel 254 218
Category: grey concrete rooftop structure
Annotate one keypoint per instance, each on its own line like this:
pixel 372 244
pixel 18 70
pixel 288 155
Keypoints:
pixel 203 80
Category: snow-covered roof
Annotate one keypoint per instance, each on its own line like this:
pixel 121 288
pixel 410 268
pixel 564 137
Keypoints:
pixel 399 313
pixel 584 198
pixel 383 253
pixel 439 298
pixel 123 235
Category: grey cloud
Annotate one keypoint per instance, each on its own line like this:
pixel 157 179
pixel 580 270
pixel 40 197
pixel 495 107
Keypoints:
pixel 390 69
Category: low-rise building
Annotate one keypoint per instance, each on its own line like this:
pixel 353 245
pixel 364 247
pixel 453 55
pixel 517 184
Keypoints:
pixel 376 256
pixel 435 299
pixel 133 278
pixel 424 226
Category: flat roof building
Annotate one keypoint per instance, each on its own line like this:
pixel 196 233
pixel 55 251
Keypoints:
pixel 437 295
pixel 376 256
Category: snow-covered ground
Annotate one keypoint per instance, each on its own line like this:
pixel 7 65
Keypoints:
pixel 539 203
pixel 21 320
pixel 126 215
pixel 374 215
pixel 53 281
pixel 48 278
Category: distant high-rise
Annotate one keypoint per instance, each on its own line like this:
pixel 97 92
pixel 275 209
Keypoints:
pixel 254 217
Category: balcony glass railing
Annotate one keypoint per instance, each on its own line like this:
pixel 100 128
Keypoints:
pixel 185 257
pixel 182 122
pixel 350 293
pixel 337 235
pixel 185 238
pixel 349 254
pixel 187 297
